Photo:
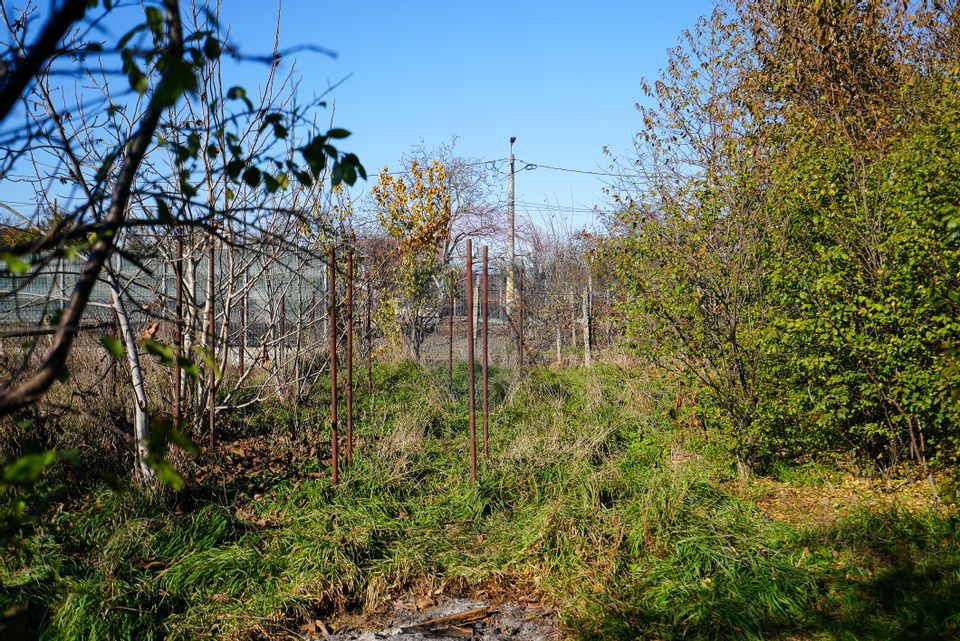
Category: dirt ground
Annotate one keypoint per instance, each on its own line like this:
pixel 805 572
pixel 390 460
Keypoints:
pixel 450 618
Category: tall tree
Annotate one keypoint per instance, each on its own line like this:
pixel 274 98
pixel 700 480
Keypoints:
pixel 415 213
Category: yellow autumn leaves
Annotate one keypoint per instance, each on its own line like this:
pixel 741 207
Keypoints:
pixel 414 211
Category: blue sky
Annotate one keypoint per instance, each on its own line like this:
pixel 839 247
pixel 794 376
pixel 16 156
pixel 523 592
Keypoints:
pixel 561 76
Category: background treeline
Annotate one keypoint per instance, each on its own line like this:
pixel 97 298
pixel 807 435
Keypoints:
pixel 787 246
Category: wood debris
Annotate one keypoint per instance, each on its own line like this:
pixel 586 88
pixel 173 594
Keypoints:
pixel 451 625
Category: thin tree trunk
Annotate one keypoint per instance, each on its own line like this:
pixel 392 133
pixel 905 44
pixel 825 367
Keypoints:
pixel 190 321
pixel 141 416
pixel 573 321
pixel 587 328
pixel 178 332
pixel 211 338
pixel 559 342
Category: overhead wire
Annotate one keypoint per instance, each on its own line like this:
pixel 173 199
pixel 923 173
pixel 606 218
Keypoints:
pixel 489 164
pixel 539 208
pixel 528 166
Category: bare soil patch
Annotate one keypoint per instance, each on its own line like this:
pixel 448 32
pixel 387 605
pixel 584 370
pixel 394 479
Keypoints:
pixel 450 618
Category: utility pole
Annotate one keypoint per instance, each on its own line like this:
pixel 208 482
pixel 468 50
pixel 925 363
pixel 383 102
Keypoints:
pixel 511 231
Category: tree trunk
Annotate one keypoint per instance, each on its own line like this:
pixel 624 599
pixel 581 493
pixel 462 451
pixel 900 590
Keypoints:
pixel 141 416
pixel 559 342
pixel 573 321
pixel 587 328
pixel 190 327
pixel 922 459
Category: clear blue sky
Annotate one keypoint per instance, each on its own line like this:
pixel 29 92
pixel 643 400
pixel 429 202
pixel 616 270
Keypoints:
pixel 561 76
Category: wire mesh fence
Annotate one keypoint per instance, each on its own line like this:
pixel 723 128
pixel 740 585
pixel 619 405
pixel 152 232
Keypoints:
pixel 263 314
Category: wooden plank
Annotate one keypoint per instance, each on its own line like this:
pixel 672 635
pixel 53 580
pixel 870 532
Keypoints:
pixel 450 620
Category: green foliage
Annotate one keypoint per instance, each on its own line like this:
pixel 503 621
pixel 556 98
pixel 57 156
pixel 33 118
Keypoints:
pixel 15 265
pixel 162 434
pixel 27 468
pixel 797 264
pixel 861 333
pixel 113 346
pixel 24 493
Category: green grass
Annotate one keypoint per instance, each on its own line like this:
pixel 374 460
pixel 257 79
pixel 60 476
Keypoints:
pixel 589 493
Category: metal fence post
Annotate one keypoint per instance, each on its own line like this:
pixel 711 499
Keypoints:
pixel 369 336
pixel 520 312
pixel 349 348
pixel 470 373
pixel 334 436
pixel 450 342
pixel 485 313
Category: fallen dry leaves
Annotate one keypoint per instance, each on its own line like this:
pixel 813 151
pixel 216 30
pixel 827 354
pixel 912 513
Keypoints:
pixel 821 505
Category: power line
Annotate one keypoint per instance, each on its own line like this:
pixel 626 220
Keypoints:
pixel 528 166
pixel 562 208
pixel 490 164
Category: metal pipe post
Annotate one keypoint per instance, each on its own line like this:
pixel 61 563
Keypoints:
pixel 349 357
pixel 369 336
pixel 450 342
pixel 485 313
pixel 470 374
pixel 511 230
pixel 520 312
pixel 334 435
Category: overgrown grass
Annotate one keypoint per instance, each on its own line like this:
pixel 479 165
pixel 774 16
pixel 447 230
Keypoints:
pixel 590 497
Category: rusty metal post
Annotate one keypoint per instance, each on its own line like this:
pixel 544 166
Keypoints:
pixel 334 435
pixel 349 348
pixel 485 313
pixel 178 331
pixel 369 336
pixel 470 373
pixel 450 342
pixel 520 312
pixel 212 336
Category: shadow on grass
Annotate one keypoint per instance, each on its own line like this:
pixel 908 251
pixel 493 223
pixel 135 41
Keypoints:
pixel 890 576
